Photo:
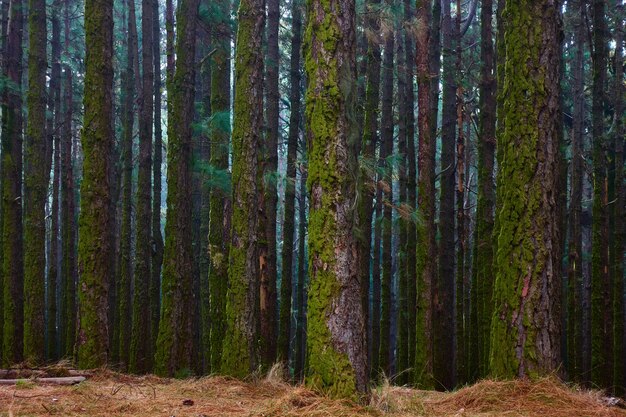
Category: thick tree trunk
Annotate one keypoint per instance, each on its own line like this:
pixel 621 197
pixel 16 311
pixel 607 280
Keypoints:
pixel 240 352
pixel 174 342
pixel 13 265
pixel 284 335
pixel 426 250
pixel 526 326
pixel 35 186
pixel 94 252
pixel 336 338
pixel 268 172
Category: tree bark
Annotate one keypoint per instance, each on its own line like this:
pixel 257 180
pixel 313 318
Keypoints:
pixel 336 338
pixel 526 326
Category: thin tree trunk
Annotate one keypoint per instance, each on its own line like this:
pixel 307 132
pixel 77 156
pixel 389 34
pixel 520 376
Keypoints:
pixel 284 336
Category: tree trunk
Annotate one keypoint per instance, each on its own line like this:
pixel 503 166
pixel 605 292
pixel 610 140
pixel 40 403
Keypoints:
pixel 140 355
pixel 124 319
pixel 218 224
pixel 94 252
pixel 482 270
pixel 157 237
pixel 526 327
pixel 425 257
pixel 268 172
pixel 35 186
pixel 336 339
pixel 13 271
pixel 284 336
pixel 386 182
pixel 174 341
pixel 601 287
pixel 240 352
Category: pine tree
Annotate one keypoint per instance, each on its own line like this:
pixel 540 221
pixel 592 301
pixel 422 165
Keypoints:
pixel 94 252
pixel 527 264
pixel 174 342
pixel 337 364
pixel 240 350
pixel 35 186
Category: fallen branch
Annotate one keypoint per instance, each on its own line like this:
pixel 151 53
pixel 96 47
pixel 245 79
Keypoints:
pixel 69 380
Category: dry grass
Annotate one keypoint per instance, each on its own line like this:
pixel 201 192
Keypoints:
pixel 110 394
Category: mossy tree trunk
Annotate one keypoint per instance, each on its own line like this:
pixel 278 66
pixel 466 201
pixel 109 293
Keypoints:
pixel 526 326
pixel 4 23
pixel 157 237
pixel 35 186
pixel 425 257
pixel 336 338
pixel 94 252
pixel 301 286
pixel 268 172
pixel 220 194
pixel 174 342
pixel 482 270
pixel 411 246
pixel 13 265
pixel 240 350
pixel 601 286
pixel 140 354
pixel 295 117
pixel 575 271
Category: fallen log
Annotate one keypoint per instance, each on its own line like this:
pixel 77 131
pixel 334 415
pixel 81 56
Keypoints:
pixel 69 380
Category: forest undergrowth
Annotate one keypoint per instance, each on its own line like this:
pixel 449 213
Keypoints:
pixel 107 393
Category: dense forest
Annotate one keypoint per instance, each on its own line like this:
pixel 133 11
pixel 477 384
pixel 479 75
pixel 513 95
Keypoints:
pixel 427 191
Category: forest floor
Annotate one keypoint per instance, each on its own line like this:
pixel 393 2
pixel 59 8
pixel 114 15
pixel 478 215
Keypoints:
pixel 109 394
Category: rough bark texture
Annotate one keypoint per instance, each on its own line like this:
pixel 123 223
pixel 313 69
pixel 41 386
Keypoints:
pixel 13 265
pixel 157 237
pixel 444 294
pixel 284 335
pixel 94 252
pixel 425 258
pixel 601 286
pixel 268 172
pixel 174 342
pixel 140 353
pixel 526 327
pixel 482 269
pixel 35 186
pixel 240 351
pixel 336 338
pixel 218 224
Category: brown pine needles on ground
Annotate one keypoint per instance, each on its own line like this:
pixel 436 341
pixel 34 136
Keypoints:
pixel 111 394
